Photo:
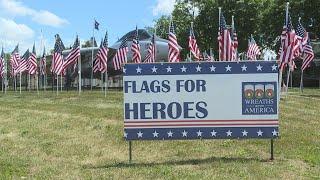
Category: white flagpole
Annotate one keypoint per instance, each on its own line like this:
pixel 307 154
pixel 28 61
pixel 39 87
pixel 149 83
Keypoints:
pixel 101 81
pixel 29 82
pixel 20 81
pixel 57 84
pixel 190 53
pixel 219 27
pixel 91 83
pixel 37 81
pixel 280 72
pixel 79 70
pixel 61 78
pixel 301 82
pixel 6 77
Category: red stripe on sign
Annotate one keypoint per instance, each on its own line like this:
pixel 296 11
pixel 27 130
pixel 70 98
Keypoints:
pixel 166 121
pixel 150 125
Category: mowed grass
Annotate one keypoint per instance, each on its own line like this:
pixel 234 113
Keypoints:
pixel 80 137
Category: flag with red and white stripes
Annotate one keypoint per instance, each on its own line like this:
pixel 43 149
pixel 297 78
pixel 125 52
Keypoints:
pixel 174 51
pixel 57 58
pixel 305 48
pixel 308 54
pixel 14 61
pixel 235 43
pixel 225 41
pixel 73 56
pixel 151 53
pixel 289 43
pixel 193 46
pixel 101 60
pixel 253 49
pixel 97 62
pixel 43 63
pixel 32 62
pixel 121 55
pixel 23 65
pixel 135 48
pixel 2 64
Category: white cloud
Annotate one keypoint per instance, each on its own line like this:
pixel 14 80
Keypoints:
pixel 12 33
pixel 48 18
pixel 17 8
pixel 163 7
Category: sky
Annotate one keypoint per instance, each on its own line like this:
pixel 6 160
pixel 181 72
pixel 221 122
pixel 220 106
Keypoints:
pixel 37 21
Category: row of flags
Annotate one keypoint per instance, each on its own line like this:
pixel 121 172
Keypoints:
pixel 27 63
pixel 295 44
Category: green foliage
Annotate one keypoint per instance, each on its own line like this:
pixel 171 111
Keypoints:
pixel 262 18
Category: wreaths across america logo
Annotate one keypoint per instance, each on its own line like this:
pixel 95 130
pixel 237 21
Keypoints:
pixel 259 98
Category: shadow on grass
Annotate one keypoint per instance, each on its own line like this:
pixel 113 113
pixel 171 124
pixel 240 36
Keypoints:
pixel 311 96
pixel 181 162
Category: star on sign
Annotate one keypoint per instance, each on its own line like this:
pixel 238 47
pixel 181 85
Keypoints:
pixel 138 69
pixel 198 68
pixel 199 133
pixel 213 69
pixel 124 70
pixel 155 134
pixel 170 134
pixel 244 68
pixel 274 133
pixel 259 68
pixel 244 133
pixel 183 69
pixel 259 132
pixel 229 133
pixel 169 69
pixel 154 69
pixel 274 67
pixel 125 134
pixel 184 133
pixel 213 133
pixel 139 134
pixel 228 68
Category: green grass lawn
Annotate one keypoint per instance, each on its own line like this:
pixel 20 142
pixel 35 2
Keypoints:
pixel 72 137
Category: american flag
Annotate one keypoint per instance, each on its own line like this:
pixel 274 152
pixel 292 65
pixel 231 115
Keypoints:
pixel 23 65
pixel 2 64
pixel 308 54
pixel 43 63
pixel 135 48
pixel 193 46
pixel 73 56
pixel 235 43
pixel 151 54
pixel 121 55
pixel 97 62
pixel 174 51
pixel 225 41
pixel 305 48
pixel 289 43
pixel 253 49
pixel 57 58
pixel 101 60
pixel 15 60
pixel 32 62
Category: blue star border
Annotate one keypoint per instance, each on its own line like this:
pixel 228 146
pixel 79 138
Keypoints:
pixel 201 133
pixel 247 67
